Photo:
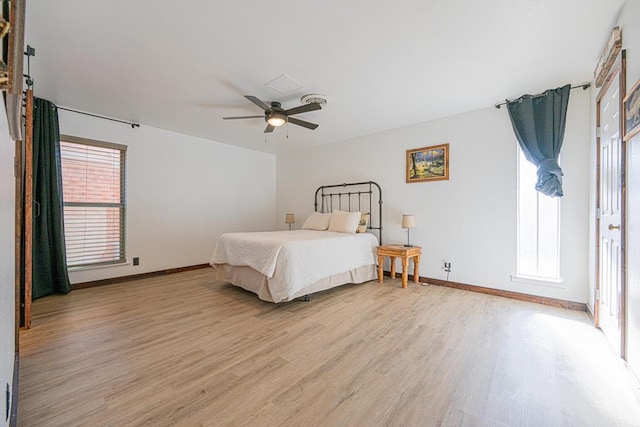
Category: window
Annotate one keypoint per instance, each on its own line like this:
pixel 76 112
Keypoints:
pixel 93 184
pixel 538 227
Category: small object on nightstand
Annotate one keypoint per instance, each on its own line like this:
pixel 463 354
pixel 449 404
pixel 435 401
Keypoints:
pixel 408 222
pixel 290 219
pixel 404 252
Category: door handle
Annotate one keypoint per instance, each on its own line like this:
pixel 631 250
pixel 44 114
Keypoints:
pixel 614 227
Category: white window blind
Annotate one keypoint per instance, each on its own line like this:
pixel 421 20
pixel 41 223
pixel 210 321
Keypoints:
pixel 93 184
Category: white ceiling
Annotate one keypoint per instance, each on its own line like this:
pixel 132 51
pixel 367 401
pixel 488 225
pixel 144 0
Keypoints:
pixel 183 65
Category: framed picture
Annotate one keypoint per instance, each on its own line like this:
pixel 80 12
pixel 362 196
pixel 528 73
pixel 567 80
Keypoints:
pixel 632 112
pixel 428 163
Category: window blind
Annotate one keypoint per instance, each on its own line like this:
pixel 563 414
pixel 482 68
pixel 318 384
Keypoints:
pixel 93 184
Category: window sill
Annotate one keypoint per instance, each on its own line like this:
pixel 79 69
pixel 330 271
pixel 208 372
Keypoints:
pixel 95 267
pixel 548 283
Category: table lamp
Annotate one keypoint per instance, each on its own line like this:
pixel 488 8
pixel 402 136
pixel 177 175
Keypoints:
pixel 290 219
pixel 408 222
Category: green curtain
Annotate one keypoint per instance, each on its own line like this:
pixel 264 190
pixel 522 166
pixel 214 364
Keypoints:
pixel 539 122
pixel 49 252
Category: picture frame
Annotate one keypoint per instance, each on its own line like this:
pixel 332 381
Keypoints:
pixel 632 112
pixel 428 163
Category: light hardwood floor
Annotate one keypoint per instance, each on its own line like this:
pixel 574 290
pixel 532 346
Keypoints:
pixel 185 349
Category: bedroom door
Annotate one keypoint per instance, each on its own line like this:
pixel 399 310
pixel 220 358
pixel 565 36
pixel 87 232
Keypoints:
pixel 609 302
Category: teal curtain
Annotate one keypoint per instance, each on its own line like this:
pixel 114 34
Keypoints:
pixel 49 252
pixel 538 122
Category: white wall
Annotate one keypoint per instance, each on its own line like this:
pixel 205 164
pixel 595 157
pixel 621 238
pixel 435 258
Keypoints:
pixel 470 219
pixel 182 193
pixel 7 259
pixel 628 22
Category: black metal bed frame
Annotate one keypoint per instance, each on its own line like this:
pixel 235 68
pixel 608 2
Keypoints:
pixel 327 197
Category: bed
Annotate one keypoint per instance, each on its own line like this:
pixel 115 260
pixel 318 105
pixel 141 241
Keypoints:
pixel 281 266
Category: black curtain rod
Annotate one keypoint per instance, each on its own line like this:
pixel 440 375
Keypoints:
pixel 132 124
pixel 32 52
pixel 584 86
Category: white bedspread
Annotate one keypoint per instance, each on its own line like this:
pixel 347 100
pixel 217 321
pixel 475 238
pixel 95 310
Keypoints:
pixel 292 260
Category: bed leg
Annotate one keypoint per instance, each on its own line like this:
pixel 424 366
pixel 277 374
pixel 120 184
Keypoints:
pixel 306 298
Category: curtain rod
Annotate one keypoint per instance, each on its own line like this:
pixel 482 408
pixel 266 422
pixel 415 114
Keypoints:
pixel 584 86
pixel 132 124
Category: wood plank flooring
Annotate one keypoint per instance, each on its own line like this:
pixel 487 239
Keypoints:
pixel 185 350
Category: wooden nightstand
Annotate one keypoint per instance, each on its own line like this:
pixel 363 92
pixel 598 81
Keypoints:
pixel 404 252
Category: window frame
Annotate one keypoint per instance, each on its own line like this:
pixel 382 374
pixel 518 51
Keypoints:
pixel 519 274
pixel 122 205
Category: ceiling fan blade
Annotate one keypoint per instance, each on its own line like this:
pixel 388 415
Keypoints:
pixel 303 109
pixel 243 117
pixel 269 129
pixel 259 103
pixel 302 123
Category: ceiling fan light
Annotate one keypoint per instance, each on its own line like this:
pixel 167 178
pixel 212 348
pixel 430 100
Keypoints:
pixel 276 120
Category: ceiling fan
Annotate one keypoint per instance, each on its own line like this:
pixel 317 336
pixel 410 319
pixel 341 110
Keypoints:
pixel 276 116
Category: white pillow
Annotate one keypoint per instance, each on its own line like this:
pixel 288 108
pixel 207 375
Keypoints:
pixel 344 222
pixel 317 221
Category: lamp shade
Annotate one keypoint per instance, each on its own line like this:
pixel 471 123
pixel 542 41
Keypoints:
pixel 290 219
pixel 276 119
pixel 408 221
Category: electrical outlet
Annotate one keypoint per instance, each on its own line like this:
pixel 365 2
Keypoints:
pixel 136 260
pixel 446 266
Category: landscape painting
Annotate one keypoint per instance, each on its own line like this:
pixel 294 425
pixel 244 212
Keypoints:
pixel 428 163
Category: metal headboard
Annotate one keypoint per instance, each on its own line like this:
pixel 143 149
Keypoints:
pixel 361 198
